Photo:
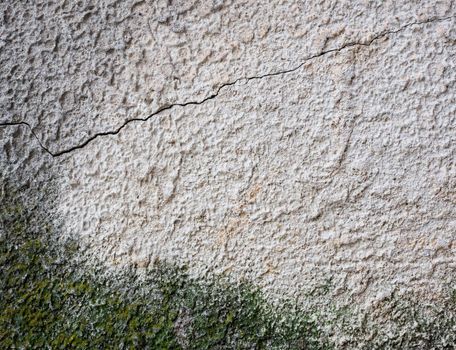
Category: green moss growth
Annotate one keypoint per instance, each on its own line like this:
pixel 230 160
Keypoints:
pixel 51 298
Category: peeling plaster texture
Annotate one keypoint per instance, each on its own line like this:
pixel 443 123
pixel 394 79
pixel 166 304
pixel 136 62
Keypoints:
pixel 342 168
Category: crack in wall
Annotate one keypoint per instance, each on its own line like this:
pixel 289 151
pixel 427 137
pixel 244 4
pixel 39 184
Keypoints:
pixel 224 85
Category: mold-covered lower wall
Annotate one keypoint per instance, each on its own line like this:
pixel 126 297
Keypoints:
pixel 290 145
pixel 54 294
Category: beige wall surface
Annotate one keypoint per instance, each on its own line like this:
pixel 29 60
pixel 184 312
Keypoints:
pixel 282 142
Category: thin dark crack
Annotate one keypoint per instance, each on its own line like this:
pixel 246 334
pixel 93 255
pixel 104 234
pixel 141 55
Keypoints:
pixel 33 133
pixel 214 95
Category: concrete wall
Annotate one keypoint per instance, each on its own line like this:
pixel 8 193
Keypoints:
pixel 281 142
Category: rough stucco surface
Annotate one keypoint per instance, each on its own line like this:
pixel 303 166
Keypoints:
pixel 343 167
pixel 73 69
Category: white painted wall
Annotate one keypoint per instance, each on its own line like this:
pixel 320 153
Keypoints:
pixel 300 141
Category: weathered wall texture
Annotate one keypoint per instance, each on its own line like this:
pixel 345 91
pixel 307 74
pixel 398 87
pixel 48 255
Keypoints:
pixel 298 141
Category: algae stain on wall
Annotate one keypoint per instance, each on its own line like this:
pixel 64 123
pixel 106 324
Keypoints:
pixel 52 294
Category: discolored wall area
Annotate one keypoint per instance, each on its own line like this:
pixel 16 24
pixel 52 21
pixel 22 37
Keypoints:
pixel 299 143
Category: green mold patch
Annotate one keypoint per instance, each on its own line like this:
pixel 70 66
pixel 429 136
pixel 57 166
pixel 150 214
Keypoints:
pixel 51 297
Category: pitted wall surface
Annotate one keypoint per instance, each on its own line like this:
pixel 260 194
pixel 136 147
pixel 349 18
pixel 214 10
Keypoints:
pixel 300 142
